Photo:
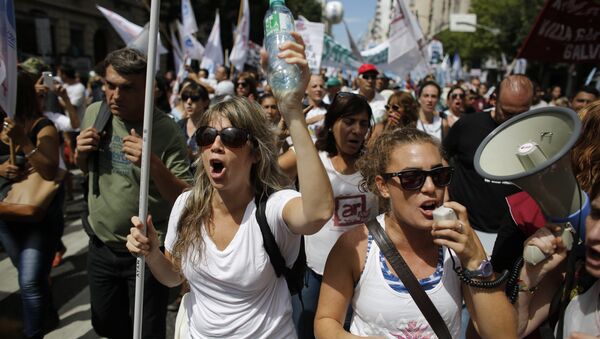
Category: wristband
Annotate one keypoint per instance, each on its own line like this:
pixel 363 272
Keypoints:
pixel 30 153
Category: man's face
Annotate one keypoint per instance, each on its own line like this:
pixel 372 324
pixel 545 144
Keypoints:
pixel 381 83
pixel 429 98
pixel 366 83
pixel 220 74
pixel 511 103
pixel 582 99
pixel 125 94
pixel 316 89
pixel 475 82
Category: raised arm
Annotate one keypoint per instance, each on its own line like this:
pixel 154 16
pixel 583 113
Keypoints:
pixel 539 283
pixel 305 215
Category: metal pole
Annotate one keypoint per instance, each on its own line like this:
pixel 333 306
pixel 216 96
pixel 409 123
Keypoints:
pixel 145 165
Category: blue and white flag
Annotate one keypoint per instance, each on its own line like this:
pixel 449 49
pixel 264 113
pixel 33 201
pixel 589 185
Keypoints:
pixel 213 52
pixel 239 52
pixel 457 72
pixel 188 17
pixel 8 58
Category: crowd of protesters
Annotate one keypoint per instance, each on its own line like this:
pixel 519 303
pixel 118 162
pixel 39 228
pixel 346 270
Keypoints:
pixel 327 159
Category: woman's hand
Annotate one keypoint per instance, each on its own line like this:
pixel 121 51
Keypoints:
pixel 459 236
pixel 140 244
pixel 548 239
pixel 15 131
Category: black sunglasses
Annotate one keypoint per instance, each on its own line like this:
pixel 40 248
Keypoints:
pixel 348 94
pixel 243 84
pixel 231 136
pixel 369 76
pixel 194 98
pixel 457 95
pixel 392 107
pixel 412 180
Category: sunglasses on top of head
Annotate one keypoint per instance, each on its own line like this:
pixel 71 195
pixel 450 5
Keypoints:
pixel 231 136
pixel 414 179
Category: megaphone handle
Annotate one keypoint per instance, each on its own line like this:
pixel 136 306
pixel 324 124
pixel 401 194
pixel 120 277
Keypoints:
pixel 533 255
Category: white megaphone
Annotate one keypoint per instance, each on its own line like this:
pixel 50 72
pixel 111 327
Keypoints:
pixel 531 150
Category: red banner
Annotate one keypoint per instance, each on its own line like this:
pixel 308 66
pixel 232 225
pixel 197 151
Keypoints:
pixel 565 31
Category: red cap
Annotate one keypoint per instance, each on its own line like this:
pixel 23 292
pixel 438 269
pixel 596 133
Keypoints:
pixel 364 68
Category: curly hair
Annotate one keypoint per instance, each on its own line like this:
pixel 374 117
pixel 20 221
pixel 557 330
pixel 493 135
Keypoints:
pixel 410 105
pixel 344 104
pixel 376 159
pixel 585 155
pixel 265 175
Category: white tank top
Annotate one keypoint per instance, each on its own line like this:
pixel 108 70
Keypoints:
pixel 352 208
pixel 381 311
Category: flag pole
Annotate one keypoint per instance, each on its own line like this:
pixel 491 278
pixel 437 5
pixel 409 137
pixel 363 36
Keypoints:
pixel 145 164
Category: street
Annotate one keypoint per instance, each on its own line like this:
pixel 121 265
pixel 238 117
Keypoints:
pixel 69 283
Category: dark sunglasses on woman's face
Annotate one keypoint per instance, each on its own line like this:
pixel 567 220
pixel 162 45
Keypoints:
pixel 242 84
pixel 392 107
pixel 414 179
pixel 194 98
pixel 231 136
pixel 457 95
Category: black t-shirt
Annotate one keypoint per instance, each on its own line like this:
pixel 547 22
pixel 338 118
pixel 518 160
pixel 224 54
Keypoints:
pixel 484 201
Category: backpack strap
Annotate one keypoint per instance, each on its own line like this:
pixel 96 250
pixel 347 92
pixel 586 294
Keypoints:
pixel 269 242
pixel 100 124
pixel 409 280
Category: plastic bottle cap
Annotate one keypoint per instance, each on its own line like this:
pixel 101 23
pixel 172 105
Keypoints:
pixel 278 2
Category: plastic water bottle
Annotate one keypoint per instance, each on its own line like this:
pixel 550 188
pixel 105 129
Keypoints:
pixel 279 23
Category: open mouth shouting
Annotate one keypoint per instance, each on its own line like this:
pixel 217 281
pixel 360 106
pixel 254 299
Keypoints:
pixel 427 208
pixel 217 169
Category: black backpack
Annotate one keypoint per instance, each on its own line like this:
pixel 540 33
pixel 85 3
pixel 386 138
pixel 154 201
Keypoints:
pixel 293 276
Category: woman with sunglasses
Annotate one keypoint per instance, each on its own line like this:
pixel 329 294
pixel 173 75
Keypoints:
pixel 405 168
pixel 214 240
pixel 339 142
pixel 456 104
pixel 245 86
pixel 195 102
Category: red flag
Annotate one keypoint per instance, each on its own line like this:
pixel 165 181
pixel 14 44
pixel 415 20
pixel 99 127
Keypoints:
pixel 565 31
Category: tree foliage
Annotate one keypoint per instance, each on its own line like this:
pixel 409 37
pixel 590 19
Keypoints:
pixel 514 19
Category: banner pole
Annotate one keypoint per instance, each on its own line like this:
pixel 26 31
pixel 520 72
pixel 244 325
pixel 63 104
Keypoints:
pixel 145 164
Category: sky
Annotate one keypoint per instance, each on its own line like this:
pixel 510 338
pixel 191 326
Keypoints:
pixel 357 14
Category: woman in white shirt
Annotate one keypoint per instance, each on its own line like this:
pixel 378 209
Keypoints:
pixel 213 238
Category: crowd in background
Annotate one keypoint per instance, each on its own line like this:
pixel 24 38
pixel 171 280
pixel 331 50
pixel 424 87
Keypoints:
pixel 366 132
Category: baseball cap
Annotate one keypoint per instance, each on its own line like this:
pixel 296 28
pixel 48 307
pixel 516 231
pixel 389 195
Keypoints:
pixel 333 82
pixel 364 68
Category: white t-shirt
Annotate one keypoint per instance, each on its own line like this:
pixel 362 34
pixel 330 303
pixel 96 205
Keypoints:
pixel 235 293
pixel 582 314
pixel 379 310
pixel 434 129
pixel 76 94
pixel 377 107
pixel 352 208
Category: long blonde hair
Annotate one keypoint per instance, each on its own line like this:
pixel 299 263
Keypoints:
pixel 265 174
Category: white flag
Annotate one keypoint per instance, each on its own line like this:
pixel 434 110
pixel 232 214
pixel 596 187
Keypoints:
pixel 8 58
pixel 213 52
pixel 127 30
pixel 239 52
pixel 313 34
pixel 188 17
pixel 406 52
pixel 191 47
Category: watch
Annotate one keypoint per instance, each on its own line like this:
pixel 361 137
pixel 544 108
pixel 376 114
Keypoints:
pixel 485 270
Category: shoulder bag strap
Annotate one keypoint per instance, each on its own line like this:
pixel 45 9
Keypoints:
pixel 100 123
pixel 409 280
pixel 269 242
